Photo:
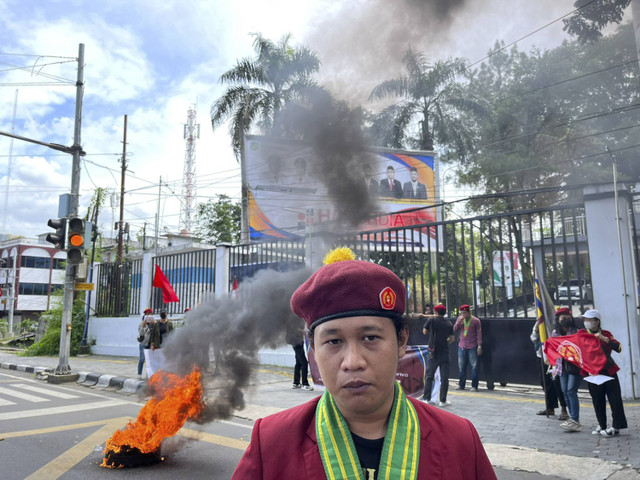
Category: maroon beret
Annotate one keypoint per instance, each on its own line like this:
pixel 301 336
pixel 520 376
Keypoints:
pixel 349 288
pixel 147 311
pixel 465 308
pixel 440 308
pixel 563 311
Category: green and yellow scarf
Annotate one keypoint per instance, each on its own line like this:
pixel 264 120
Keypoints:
pixel 400 451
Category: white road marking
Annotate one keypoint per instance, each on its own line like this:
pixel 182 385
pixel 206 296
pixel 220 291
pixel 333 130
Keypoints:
pixel 23 396
pixel 58 410
pixel 4 402
pixel 235 424
pixel 44 391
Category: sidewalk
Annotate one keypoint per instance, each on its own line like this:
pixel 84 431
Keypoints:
pixel 519 443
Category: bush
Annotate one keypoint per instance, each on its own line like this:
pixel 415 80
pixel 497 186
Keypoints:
pixel 4 328
pixel 50 343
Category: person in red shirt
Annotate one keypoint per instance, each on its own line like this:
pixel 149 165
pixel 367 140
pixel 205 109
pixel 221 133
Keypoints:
pixel 469 346
pixel 609 390
pixel 363 426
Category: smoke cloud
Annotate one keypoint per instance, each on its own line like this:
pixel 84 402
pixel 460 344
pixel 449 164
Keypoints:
pixel 238 326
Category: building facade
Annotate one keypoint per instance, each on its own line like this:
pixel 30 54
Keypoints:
pixel 30 271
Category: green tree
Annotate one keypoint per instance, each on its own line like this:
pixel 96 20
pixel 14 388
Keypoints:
pixel 553 119
pixel 587 23
pixel 431 95
pixel 218 221
pixel 260 87
pixel 50 342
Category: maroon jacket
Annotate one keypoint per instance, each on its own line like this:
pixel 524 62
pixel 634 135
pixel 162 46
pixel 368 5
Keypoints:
pixel 284 447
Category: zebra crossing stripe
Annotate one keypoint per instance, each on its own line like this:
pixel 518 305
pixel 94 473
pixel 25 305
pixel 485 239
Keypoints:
pixel 44 391
pixel 60 410
pixel 22 395
pixel 4 402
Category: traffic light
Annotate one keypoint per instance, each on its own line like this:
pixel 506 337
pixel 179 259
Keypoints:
pixel 59 238
pixel 77 240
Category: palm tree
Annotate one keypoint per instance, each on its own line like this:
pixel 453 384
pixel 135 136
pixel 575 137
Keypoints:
pixel 430 94
pixel 260 87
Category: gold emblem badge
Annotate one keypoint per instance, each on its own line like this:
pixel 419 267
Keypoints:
pixel 571 352
pixel 387 298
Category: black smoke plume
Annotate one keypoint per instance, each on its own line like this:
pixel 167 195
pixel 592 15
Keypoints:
pixel 238 326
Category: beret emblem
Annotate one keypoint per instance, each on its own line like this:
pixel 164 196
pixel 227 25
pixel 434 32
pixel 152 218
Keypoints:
pixel 387 298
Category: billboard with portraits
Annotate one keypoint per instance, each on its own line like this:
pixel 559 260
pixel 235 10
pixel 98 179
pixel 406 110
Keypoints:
pixel 291 186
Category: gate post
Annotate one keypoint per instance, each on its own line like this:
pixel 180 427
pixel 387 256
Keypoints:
pixel 614 276
pixel 147 279
pixel 222 269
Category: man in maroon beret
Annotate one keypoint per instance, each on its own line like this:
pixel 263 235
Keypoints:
pixel 469 346
pixel 363 426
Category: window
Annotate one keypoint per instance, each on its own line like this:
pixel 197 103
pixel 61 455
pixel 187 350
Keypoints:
pixel 35 262
pixel 58 263
pixel 36 288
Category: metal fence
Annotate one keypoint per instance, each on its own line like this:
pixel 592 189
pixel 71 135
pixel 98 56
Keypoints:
pixel 282 256
pixel 118 288
pixel 192 276
pixel 485 261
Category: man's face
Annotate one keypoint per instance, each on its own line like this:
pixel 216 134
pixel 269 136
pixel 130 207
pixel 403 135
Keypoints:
pixel 428 309
pixel 466 314
pixel 414 175
pixel 358 358
pixel 391 174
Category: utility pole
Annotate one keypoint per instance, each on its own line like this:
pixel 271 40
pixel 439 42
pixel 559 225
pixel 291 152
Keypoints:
pixel 158 213
pixel 119 296
pixel 63 367
pixel 122 178
pixel 6 193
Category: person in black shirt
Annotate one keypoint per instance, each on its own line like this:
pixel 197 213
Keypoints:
pixel 440 333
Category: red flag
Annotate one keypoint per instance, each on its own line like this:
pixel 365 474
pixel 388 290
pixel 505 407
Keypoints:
pixel 582 349
pixel 160 281
pixel 234 288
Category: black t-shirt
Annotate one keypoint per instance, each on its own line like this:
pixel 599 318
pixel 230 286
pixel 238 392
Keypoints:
pixel 369 452
pixel 442 329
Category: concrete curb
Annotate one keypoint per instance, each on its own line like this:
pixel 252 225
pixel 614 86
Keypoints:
pixel 127 386
pixel 104 380
pixel 568 467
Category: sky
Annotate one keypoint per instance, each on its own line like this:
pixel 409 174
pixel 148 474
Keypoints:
pixel 152 61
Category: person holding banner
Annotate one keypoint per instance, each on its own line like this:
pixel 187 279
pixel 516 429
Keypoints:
pixel 567 372
pixel 551 386
pixel 610 389
pixel 363 426
pixel 159 333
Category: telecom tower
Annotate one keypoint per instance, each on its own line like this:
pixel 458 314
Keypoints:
pixel 191 134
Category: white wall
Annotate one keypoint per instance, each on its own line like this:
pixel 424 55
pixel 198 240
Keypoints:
pixel 117 336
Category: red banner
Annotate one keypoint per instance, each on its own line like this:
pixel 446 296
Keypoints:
pixel 582 349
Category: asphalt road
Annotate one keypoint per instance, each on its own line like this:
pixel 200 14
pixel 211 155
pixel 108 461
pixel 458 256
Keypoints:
pixel 59 431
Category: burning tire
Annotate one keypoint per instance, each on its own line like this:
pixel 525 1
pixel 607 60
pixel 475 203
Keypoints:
pixel 129 457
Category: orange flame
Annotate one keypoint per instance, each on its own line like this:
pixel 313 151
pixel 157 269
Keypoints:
pixel 175 400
